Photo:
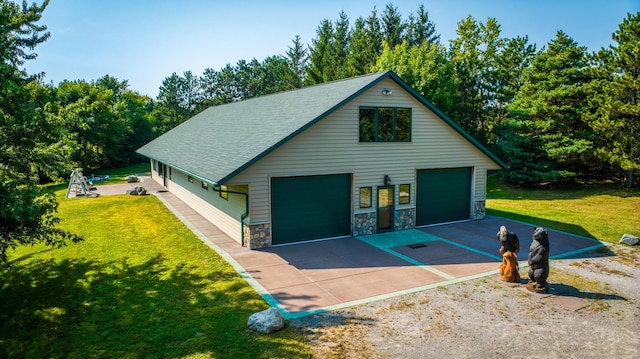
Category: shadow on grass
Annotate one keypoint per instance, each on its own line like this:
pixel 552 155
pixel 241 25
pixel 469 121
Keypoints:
pixel 497 189
pixel 542 222
pixel 86 308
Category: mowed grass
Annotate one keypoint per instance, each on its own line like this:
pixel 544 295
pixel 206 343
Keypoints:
pixel 603 212
pixel 141 285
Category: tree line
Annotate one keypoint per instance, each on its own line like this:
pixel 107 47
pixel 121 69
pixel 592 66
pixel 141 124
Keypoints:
pixel 554 115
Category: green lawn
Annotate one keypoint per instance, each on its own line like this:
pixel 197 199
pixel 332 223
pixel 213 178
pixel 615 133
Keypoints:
pixel 604 212
pixel 140 286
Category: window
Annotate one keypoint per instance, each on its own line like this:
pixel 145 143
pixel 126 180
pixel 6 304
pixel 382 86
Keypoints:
pixel 205 186
pixel 365 197
pixel 405 193
pixel 190 179
pixel 385 124
pixel 223 193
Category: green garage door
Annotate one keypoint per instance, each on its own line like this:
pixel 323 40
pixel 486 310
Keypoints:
pixel 312 207
pixel 443 195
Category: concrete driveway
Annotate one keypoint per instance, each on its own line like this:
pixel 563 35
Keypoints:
pixel 312 277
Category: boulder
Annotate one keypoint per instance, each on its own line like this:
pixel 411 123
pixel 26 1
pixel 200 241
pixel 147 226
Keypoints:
pixel 629 239
pixel 131 179
pixel 267 321
pixel 137 191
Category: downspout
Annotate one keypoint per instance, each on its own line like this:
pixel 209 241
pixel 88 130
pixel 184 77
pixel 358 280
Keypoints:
pixel 246 206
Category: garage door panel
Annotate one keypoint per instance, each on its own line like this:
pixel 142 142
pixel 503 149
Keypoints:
pixel 311 207
pixel 443 195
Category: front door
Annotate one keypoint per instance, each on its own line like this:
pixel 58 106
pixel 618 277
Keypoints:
pixel 385 209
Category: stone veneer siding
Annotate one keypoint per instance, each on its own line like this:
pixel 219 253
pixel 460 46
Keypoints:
pixel 257 235
pixel 479 210
pixel 364 224
pixel 405 219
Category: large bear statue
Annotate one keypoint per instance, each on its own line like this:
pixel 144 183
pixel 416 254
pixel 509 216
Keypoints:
pixel 539 261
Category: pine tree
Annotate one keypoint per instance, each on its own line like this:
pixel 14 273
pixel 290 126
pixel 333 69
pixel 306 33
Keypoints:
pixel 420 29
pixel 297 62
pixel 614 101
pixel 393 28
pixel 474 55
pixel 321 68
pixel 547 117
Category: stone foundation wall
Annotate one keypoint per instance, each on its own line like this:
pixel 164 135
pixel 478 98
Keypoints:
pixel 479 210
pixel 364 224
pixel 257 235
pixel 405 219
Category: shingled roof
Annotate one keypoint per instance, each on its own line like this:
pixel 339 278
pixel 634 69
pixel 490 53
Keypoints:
pixel 222 141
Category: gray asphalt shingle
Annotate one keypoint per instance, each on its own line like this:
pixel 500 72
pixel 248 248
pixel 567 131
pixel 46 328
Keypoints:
pixel 221 140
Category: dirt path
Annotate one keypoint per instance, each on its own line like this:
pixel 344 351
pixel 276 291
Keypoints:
pixel 594 312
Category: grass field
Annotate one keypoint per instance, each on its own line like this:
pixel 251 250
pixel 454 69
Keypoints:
pixel 603 212
pixel 141 285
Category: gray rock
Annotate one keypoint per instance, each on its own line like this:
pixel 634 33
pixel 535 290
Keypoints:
pixel 267 321
pixel 629 239
pixel 137 191
pixel 131 179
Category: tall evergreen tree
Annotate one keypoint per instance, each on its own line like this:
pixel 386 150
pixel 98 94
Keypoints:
pixel 474 55
pixel 393 28
pixel 321 55
pixel 341 41
pixel 614 100
pixel 514 58
pixel 170 109
pixel 32 143
pixel 548 113
pixel 420 29
pixel 297 62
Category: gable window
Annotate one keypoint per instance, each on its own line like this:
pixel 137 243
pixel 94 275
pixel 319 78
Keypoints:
pixel 385 124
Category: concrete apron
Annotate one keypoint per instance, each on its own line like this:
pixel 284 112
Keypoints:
pixel 314 277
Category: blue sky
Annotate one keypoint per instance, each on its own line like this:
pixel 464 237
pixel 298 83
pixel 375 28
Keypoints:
pixel 144 42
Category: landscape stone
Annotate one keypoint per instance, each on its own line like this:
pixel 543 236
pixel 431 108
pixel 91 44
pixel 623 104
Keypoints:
pixel 267 321
pixel 137 191
pixel 629 239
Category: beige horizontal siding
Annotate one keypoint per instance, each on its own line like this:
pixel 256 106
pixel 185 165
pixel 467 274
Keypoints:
pixel 331 146
pixel 224 214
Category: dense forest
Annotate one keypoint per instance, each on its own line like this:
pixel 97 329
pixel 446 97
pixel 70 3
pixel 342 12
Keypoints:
pixel 555 115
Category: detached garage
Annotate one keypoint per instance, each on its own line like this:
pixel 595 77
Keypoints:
pixel 346 158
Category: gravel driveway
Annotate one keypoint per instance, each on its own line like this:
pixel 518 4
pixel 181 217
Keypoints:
pixel 593 311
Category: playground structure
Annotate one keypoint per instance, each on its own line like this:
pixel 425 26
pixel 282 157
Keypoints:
pixel 78 183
